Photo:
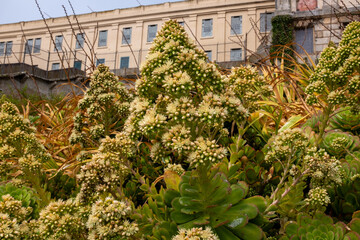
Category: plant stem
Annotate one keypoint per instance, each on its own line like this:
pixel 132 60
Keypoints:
pixel 323 124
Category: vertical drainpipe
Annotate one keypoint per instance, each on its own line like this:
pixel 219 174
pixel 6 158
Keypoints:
pixel 116 44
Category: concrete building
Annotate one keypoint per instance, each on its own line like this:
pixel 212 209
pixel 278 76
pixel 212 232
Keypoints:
pixel 317 22
pixel 228 30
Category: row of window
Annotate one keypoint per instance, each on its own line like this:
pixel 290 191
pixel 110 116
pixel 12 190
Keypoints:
pixel 124 63
pixel 6 48
pixel 235 54
pixel 33 45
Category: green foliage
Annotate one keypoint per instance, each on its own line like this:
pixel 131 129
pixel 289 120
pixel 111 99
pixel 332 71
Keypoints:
pixel 282 35
pixel 340 143
pixel 346 121
pixel 320 226
pixel 23 194
pixel 209 199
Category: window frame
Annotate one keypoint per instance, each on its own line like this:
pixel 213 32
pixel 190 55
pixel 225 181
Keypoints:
pixel 232 32
pixel 8 51
pixel 153 35
pixel 29 47
pixel 79 44
pixel 203 23
pixel 58 43
pixel 268 26
pixel 37 47
pixel 100 61
pixel 300 50
pixel 77 61
pixel 102 42
pixel 232 53
pixel 121 62
pixel 124 39
pixel 55 64
pixel 209 56
pixel 2 48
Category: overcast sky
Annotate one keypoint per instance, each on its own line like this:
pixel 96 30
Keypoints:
pixel 12 11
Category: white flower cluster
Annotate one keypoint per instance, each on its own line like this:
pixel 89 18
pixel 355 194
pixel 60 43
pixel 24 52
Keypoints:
pixel 325 171
pixel 107 169
pixel 62 220
pixel 336 77
pixel 182 101
pixel 13 208
pixel 287 144
pixel 103 109
pixel 318 197
pixel 18 142
pixel 196 234
pixel 175 168
pixel 109 219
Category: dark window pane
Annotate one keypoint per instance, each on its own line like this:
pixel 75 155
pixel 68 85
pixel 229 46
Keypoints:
pixel 58 43
pixel 55 66
pixel 8 50
pixel 152 29
pixel 209 54
pixel 77 64
pixel 79 40
pixel 207 27
pixel 28 46
pixel 304 40
pixel 100 61
pixel 124 62
pixel 2 48
pixel 37 45
pixel 102 38
pixel 236 25
pixel 126 38
pixel 265 22
pixel 236 54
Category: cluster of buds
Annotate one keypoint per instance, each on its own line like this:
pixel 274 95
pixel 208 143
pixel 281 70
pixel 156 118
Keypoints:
pixel 152 122
pixel 109 219
pixel 335 81
pixel 175 168
pixel 62 220
pixel 102 174
pixel 102 109
pixel 178 139
pixel 9 228
pixel 318 197
pixel 13 208
pixel 286 145
pixel 196 234
pixel 325 171
pixel 205 152
pixel 18 142
pixel 181 109
pixel 249 86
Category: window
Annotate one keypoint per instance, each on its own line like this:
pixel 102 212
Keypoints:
pixel 28 46
pixel 126 35
pixel 37 45
pixel 8 49
pixel 304 40
pixel 265 22
pixel 207 27
pixel 209 54
pixel 124 62
pixel 236 25
pixel 236 54
pixel 182 23
pixel 102 38
pixel 77 64
pixel 152 29
pixel 2 48
pixel 79 40
pixel 100 61
pixel 55 66
pixel 58 43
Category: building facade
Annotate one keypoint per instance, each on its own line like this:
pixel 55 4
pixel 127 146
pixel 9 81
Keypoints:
pixel 317 22
pixel 227 30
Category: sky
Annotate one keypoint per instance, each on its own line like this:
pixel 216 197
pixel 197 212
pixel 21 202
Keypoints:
pixel 26 10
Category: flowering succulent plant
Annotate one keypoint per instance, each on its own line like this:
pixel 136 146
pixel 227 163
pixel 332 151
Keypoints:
pixel 103 108
pixel 182 102
pixel 196 234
